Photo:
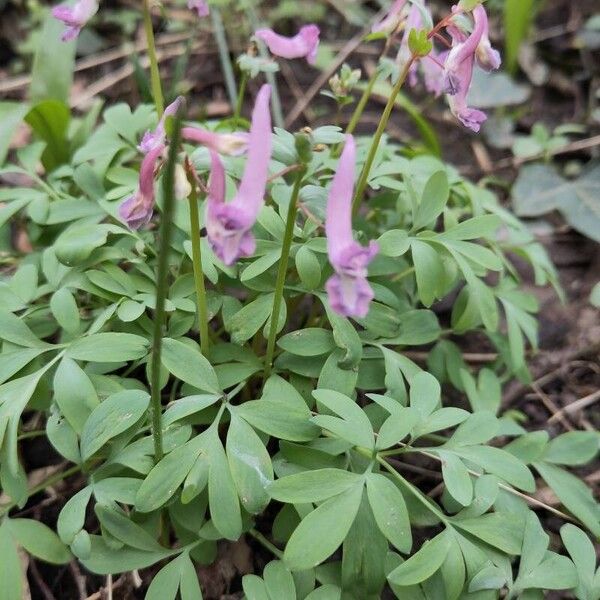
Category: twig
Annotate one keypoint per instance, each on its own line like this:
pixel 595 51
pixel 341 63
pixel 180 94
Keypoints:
pixel 576 406
pixel 39 580
pixel 551 406
pixel 116 585
pixel 79 579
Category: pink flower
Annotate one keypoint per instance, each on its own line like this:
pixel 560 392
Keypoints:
pixel 349 291
pixel 432 67
pixel 303 45
pixel 231 144
pixel 74 17
pixel 229 224
pixel 391 21
pixel 136 211
pixel 458 69
pixel 157 137
pixel 200 6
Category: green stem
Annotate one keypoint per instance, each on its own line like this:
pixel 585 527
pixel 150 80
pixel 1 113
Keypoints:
pixel 162 285
pixel 219 31
pixel 154 72
pixel 259 537
pixel 198 273
pixel 281 273
pixel 415 491
pixel 240 98
pixel 360 107
pixel 385 117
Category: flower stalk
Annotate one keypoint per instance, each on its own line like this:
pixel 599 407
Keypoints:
pixel 155 83
pixel 201 301
pixel 281 273
pixel 385 117
pixel 162 286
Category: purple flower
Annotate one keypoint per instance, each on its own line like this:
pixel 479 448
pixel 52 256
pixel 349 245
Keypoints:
pixel 74 17
pixel 200 6
pixel 231 144
pixel 229 224
pixel 136 211
pixel 303 45
pixel 153 139
pixel 458 69
pixel 391 21
pixel 349 291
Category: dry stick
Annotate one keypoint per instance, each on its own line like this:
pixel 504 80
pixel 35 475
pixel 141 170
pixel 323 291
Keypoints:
pixel 99 595
pixel 551 373
pixel 295 88
pixel 576 406
pixel 124 72
pixel 39 580
pixel 79 579
pixel 551 406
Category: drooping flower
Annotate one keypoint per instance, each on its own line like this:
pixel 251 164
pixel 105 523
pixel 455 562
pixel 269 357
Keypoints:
pixel 348 289
pixel 229 224
pixel 74 17
pixel 200 6
pixel 432 68
pixel 458 68
pixel 155 138
pixel 136 211
pixel 231 144
pixel 303 45
pixel 391 21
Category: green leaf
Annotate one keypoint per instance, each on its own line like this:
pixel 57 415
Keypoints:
pixel 555 573
pixel 279 581
pixel 501 530
pixel 108 347
pixel 500 463
pixel 390 512
pixel 573 493
pixel 76 243
pixel 479 428
pixel 396 427
pixel 74 393
pixel 308 267
pixel 308 342
pixel 189 365
pixel 14 329
pixel 254 588
pixel 49 119
pixel 312 486
pixel 65 310
pixel 124 529
pixel 483 226
pixel 104 559
pixel 581 550
pixel 165 583
pixel 39 540
pixel 573 448
pixel 72 516
pixel 246 322
pixel 518 16
pixel 355 421
pixel 164 479
pixel 53 63
pixel 434 198
pixel 325 592
pixel 394 243
pixel 250 465
pixel 425 394
pixel 112 417
pixel 456 477
pixel 11 116
pixel 10 565
pixel 222 497
pixel 429 271
pixel 424 563
pixel 322 531
pixel 281 412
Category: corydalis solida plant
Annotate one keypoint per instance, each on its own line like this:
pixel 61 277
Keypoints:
pixel 220 463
